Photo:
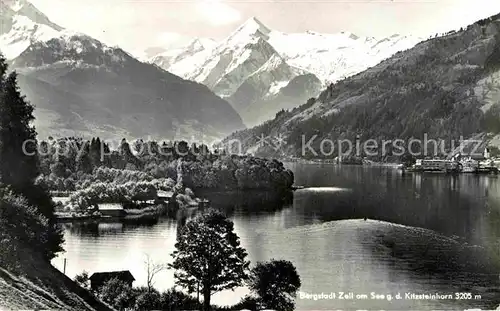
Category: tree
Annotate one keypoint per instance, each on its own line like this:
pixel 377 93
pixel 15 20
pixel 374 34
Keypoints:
pixel 152 269
pixel 95 152
pixel 276 283
pixel 83 279
pixel 83 161
pixel 18 145
pixel 147 299
pixel 177 300
pixel 117 294
pixel 3 67
pixel 21 228
pixel 208 256
pixel 248 303
pixel 19 157
pixel 143 191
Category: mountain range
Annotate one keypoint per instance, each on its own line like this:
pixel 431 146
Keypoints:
pixel 332 86
pixel 82 87
pixel 261 71
pixel 445 87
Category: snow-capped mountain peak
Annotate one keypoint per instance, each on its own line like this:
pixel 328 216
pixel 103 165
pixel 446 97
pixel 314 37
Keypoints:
pixel 22 24
pixel 27 9
pixel 251 28
pixel 195 45
pixel 312 32
pixel 350 35
pixel 16 6
pixel 245 66
pixel 253 25
pixel 332 57
pixel 72 47
pixel 199 44
pixel 166 58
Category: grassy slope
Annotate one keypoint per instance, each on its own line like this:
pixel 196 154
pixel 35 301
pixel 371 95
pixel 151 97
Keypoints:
pixel 44 287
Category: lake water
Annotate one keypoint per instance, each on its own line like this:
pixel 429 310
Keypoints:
pixel 331 254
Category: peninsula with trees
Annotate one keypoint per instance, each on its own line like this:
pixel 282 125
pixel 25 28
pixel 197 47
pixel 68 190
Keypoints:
pixel 89 173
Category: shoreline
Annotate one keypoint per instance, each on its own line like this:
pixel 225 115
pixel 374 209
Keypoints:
pixel 323 161
pixel 128 214
pixel 165 210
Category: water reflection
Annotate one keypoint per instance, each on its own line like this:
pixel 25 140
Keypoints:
pixel 94 228
pixel 452 205
pixel 332 257
pixel 249 202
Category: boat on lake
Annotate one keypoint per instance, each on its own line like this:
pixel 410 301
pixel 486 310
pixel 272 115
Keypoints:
pixel 435 166
pixel 466 165
pixel 469 165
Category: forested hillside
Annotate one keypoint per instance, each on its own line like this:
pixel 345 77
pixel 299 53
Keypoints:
pixel 445 87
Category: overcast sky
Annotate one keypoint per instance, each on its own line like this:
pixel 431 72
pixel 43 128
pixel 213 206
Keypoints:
pixel 139 24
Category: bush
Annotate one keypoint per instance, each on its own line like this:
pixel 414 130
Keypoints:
pixel 189 193
pixel 83 279
pixel 118 294
pixel 113 193
pixel 177 300
pixel 184 200
pixel 21 226
pixel 248 303
pixel 276 283
pixel 147 299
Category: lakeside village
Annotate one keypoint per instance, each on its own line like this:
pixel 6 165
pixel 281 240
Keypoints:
pixel 457 164
pixel 159 203
pixel 484 161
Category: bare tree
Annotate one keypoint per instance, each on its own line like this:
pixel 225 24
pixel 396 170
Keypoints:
pixel 152 269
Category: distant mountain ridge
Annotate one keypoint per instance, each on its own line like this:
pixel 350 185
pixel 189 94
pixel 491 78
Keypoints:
pixel 166 58
pixel 254 64
pixel 446 87
pixel 333 57
pixel 82 87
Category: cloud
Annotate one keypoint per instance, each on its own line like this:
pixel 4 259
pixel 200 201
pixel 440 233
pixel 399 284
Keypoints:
pixel 170 40
pixel 459 13
pixel 218 13
pixel 168 37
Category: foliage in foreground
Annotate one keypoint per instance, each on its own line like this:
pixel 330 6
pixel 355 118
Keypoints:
pixel 21 225
pixel 208 259
pixel 83 279
pixel 26 210
pixel 276 284
pixel 117 294
pixel 208 256
pixel 121 297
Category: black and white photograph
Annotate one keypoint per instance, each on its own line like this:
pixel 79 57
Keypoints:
pixel 249 155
